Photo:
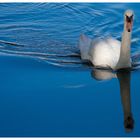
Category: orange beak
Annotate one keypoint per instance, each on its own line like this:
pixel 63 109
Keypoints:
pixel 129 26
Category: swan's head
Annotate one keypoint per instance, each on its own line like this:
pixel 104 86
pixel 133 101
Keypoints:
pixel 128 16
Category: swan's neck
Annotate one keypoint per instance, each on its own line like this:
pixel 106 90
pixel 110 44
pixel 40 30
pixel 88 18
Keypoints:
pixel 124 59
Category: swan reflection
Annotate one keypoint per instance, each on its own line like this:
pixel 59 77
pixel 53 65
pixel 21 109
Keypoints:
pixel 124 77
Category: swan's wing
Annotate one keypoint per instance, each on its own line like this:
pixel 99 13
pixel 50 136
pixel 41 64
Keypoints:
pixel 115 44
pixel 84 45
pixel 104 52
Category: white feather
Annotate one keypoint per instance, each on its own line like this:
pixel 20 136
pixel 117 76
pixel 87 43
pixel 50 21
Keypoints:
pixel 84 44
pixel 102 53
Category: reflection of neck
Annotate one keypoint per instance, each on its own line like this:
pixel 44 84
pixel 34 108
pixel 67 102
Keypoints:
pixel 124 80
pixel 124 60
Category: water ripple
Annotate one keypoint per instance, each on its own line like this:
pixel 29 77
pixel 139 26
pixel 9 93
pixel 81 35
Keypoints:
pixel 50 31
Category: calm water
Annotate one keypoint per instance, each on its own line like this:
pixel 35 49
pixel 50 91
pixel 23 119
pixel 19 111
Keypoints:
pixel 46 89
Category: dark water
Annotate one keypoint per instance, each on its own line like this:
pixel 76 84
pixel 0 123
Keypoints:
pixel 47 90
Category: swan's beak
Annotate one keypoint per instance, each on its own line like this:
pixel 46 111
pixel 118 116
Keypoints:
pixel 129 23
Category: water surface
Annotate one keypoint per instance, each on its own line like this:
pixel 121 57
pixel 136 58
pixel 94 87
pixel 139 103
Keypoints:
pixel 45 87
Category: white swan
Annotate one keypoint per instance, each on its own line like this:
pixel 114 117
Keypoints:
pixel 109 52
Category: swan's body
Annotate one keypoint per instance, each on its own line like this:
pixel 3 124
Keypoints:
pixel 101 52
pixel 109 52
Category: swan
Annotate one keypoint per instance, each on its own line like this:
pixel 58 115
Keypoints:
pixel 109 52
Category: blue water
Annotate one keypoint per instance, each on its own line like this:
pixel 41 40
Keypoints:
pixel 45 87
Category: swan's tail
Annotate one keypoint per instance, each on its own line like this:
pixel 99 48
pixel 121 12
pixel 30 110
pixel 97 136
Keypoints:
pixel 84 45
